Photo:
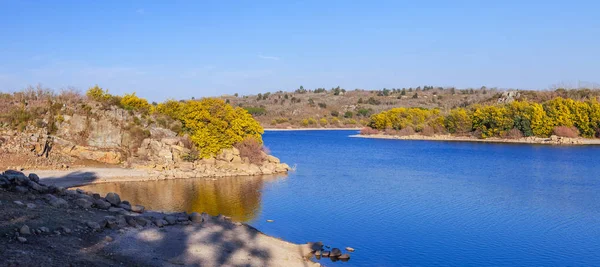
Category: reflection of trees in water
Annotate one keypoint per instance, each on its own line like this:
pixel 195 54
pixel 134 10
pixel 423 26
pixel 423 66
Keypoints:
pixel 236 197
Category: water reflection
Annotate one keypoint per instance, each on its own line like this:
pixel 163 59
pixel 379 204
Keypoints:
pixel 237 197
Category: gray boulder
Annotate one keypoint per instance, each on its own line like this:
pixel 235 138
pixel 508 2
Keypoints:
pixel 83 203
pixel 113 198
pixel 34 177
pixel 124 206
pixel 58 203
pixel 101 204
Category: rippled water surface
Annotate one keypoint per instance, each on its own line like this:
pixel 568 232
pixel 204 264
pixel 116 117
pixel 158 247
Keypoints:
pixel 411 203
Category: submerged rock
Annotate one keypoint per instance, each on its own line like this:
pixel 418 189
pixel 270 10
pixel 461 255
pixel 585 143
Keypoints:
pixel 336 252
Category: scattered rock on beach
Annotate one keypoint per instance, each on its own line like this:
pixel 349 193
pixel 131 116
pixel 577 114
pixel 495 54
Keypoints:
pixel 138 208
pixel 113 198
pixel 83 203
pixel 102 204
pixel 195 217
pixel 25 230
pixel 34 177
pixel 22 239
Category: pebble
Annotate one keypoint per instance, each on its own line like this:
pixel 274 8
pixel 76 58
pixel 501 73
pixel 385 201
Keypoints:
pixel 18 203
pixel 25 230
pixel 270 221
pixel 22 239
pixel 350 249
pixel 31 206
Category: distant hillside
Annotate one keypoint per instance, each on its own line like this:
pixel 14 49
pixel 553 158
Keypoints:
pixel 337 107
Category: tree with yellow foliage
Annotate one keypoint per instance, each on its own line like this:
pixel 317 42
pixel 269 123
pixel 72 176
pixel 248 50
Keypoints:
pixel 214 125
pixel 133 102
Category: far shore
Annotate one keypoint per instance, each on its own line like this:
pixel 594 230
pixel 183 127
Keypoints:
pixel 310 129
pixel 524 140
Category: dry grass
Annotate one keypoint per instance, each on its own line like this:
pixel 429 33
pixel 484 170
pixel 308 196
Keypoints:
pixel 565 131
pixel 252 149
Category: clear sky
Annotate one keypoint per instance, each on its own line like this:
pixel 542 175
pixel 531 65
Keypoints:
pixel 180 49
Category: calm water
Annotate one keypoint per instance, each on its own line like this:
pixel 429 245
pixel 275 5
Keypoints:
pixel 411 203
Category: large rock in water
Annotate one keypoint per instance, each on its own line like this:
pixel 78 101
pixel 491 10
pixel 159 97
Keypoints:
pixel 113 198
pixel 336 252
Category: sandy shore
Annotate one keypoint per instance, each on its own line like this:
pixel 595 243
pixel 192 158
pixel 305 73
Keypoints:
pixel 525 140
pixel 310 129
pixel 64 228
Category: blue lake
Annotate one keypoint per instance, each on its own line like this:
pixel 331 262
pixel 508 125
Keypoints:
pixel 425 203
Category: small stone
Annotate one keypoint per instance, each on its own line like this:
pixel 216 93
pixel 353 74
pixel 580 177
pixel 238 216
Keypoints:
pixel 160 222
pixel 325 253
pixel 131 221
pixel 25 230
pixel 318 253
pixel 142 221
pixel 45 229
pixel 270 221
pixel 111 222
pixel 22 239
pixel 66 230
pixel 113 198
pixel 108 239
pixel 350 249
pixel 336 252
pixel 195 217
pixel 138 208
pixel 58 203
pixel 171 219
pixel 18 203
pixel 31 206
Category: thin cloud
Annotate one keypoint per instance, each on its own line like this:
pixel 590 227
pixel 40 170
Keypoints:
pixel 268 57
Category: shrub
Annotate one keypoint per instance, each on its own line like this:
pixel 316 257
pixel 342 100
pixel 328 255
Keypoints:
pixel 428 131
pixel 133 102
pixel 96 93
pixel 214 125
pixel 406 131
pixel 323 121
pixel 256 111
pixel 368 131
pixel 348 114
pixel 565 131
pixel 514 133
pixel 252 149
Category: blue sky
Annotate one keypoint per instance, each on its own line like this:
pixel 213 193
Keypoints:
pixel 180 49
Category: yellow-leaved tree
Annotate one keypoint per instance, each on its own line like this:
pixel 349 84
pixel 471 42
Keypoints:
pixel 133 102
pixel 214 125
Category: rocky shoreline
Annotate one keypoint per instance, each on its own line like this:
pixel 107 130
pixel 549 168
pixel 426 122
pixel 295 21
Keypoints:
pixel 57 227
pixel 553 140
